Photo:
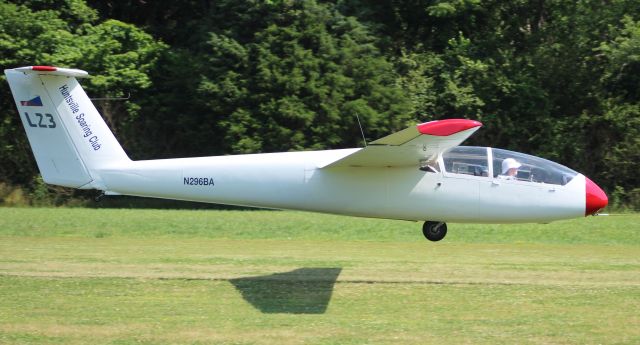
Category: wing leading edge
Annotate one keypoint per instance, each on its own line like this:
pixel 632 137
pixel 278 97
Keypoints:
pixel 411 146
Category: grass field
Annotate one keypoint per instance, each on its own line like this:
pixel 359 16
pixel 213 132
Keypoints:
pixel 105 276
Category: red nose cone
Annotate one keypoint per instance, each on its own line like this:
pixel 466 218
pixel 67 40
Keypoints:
pixel 596 199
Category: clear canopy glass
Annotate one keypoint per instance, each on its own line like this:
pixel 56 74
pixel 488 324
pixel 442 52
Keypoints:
pixel 467 160
pixel 532 168
pixel 474 161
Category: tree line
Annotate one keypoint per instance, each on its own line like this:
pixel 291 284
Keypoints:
pixel 557 79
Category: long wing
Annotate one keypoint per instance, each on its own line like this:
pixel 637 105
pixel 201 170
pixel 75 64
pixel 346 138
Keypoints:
pixel 410 146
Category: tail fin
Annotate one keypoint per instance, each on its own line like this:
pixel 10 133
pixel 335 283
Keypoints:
pixel 69 138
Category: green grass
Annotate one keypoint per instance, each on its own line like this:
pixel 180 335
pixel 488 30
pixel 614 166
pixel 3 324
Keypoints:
pixel 280 225
pixel 76 276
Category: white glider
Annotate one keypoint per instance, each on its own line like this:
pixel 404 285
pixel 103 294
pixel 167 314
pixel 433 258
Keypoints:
pixel 418 174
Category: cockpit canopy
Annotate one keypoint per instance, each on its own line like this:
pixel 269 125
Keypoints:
pixel 474 161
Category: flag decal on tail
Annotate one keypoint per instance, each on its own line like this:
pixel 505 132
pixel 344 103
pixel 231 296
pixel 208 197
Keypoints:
pixel 34 102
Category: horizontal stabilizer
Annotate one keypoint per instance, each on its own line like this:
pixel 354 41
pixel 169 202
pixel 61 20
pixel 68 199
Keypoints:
pixel 50 70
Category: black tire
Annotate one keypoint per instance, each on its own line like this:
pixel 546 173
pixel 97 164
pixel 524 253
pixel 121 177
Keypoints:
pixel 434 231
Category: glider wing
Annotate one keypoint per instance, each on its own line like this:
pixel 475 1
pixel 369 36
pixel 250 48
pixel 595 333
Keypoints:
pixel 411 146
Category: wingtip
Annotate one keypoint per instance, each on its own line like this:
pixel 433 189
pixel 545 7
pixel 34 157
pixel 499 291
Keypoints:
pixel 447 127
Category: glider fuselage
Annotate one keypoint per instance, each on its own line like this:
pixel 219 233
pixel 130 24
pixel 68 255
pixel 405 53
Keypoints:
pixel 419 173
pixel 293 180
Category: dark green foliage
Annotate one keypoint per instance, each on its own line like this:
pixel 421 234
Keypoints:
pixel 557 79
pixel 299 82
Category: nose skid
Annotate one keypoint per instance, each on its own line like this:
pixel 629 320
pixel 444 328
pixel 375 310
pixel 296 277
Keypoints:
pixel 596 198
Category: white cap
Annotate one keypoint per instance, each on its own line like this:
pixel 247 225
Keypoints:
pixel 509 163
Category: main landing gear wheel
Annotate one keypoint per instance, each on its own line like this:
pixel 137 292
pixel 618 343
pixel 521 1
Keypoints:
pixel 434 231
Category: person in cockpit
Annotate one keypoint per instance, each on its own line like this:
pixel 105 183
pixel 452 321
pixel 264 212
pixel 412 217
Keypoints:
pixel 510 168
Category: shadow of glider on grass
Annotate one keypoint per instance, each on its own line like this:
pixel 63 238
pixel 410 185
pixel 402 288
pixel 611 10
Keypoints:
pixel 301 291
pixel 418 174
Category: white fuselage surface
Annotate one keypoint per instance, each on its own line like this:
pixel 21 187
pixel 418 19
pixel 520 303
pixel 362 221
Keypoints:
pixel 292 180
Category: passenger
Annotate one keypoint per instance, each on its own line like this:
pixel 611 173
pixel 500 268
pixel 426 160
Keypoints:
pixel 509 169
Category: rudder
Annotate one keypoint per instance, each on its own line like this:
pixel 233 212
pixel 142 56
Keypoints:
pixel 69 138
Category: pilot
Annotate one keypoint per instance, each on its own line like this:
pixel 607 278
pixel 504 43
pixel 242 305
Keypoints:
pixel 509 169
